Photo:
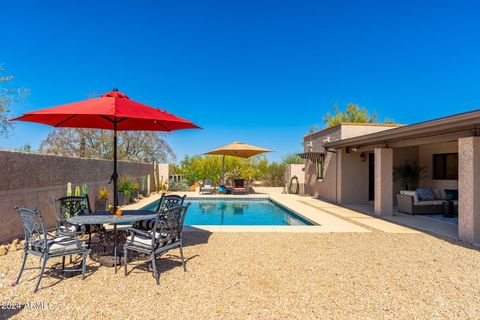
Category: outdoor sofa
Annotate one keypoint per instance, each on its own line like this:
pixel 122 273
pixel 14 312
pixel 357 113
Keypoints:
pixel 426 201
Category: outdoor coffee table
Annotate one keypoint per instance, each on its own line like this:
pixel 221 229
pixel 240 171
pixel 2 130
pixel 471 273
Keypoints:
pixel 106 217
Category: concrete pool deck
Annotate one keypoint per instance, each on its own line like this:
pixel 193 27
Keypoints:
pixel 329 218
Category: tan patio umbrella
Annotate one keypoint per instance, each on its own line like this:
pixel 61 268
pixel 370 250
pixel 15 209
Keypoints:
pixel 236 149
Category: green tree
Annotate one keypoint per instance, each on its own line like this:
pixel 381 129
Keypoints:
pixel 132 145
pixel 353 113
pixel 292 159
pixel 256 168
pixel 8 96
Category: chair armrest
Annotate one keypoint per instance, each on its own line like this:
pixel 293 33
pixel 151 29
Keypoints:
pixel 145 233
pixel 405 203
pixel 57 231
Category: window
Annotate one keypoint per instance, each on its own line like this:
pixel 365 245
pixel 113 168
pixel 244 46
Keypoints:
pixel 445 166
pixel 319 167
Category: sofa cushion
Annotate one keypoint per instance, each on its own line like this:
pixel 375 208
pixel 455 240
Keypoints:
pixel 412 194
pixel 425 194
pixel 452 194
pixel 437 194
pixel 429 203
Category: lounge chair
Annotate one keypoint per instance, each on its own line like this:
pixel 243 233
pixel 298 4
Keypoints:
pixel 239 186
pixel 165 235
pixel 207 187
pixel 41 243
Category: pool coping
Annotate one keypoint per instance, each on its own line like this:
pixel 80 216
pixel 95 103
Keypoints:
pixel 324 222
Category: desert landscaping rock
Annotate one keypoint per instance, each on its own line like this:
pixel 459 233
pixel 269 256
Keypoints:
pixel 268 276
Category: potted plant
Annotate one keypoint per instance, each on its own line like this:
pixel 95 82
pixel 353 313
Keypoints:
pixel 408 175
pixel 102 202
pixel 135 190
pixel 125 187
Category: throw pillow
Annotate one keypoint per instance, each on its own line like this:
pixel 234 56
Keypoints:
pixel 425 194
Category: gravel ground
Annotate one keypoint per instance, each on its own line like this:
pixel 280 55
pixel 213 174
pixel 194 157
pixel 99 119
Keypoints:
pixel 266 276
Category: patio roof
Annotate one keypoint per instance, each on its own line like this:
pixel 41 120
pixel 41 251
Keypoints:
pixel 312 156
pixel 438 130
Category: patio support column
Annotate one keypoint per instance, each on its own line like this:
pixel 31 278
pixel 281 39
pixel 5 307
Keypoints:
pixel 383 181
pixel 469 189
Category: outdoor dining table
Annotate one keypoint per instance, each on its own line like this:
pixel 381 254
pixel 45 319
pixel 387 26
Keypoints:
pixel 106 217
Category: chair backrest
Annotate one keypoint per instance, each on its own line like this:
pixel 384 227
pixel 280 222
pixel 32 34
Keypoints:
pixel 34 227
pixel 169 224
pixel 170 201
pixel 207 182
pixel 239 183
pixel 71 206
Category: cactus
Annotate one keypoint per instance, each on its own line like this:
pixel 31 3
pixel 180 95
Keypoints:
pixel 148 184
pixel 77 191
pixel 69 189
pixel 155 176
pixel 84 189
pixel 142 184
pixel 84 193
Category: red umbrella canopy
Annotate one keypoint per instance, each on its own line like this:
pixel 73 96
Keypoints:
pixel 99 113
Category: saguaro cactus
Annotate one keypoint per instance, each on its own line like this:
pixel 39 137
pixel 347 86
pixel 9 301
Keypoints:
pixel 155 176
pixel 148 184
pixel 84 189
pixel 69 189
pixel 77 191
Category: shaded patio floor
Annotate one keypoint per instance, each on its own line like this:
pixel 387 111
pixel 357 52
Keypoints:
pixel 419 222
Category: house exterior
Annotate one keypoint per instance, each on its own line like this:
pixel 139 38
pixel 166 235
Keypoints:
pixel 353 164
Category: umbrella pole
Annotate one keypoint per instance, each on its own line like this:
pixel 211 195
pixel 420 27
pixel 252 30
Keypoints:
pixel 115 174
pixel 115 197
pixel 223 170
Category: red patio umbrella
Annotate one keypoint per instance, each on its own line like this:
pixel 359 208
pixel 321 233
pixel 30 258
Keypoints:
pixel 113 111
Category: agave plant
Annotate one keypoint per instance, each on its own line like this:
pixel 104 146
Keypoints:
pixel 408 175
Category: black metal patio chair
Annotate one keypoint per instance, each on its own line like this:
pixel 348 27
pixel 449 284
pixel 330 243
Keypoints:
pixel 39 242
pixel 166 234
pixel 166 202
pixel 71 206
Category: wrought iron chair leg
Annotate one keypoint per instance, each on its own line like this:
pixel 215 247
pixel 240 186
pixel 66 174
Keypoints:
pixel 125 257
pixel 70 259
pixel 44 262
pixel 89 240
pixel 155 271
pixel 181 255
pixel 84 265
pixel 63 263
pixel 25 254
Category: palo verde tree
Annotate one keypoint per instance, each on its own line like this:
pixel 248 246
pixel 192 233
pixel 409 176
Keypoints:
pixel 353 113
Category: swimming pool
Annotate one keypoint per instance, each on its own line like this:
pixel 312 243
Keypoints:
pixel 238 212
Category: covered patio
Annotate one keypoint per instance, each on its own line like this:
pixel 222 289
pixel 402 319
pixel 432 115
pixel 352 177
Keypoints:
pixel 447 148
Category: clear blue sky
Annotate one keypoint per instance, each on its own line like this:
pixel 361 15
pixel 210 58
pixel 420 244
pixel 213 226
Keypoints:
pixel 260 72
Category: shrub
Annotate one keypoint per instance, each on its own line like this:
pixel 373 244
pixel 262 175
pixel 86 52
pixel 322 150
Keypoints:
pixel 182 185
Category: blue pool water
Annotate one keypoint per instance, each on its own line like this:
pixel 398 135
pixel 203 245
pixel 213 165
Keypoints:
pixel 234 212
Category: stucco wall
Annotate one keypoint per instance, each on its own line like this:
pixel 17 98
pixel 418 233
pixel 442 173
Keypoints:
pixel 32 180
pixel 323 189
pixel 352 130
pixel 426 160
pixel 355 170
pixel 352 178
pixel 297 170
